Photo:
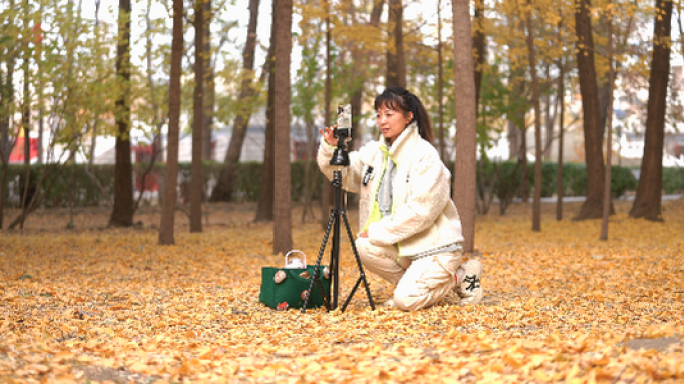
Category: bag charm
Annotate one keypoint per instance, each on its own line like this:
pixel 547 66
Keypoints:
pixel 279 276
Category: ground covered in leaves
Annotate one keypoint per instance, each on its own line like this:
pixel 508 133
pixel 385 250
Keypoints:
pixel 93 304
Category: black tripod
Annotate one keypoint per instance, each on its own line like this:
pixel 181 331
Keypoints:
pixel 339 158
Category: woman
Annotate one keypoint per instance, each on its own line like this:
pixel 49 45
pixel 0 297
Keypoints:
pixel 410 229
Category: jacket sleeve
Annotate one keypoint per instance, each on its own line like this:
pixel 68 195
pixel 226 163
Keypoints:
pixel 351 175
pixel 428 194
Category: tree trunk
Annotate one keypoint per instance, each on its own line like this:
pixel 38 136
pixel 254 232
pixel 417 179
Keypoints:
pixel 209 89
pixel 609 138
pixel 647 203
pixel 560 189
pixel 224 186
pixel 282 215
pixel 524 190
pixel 265 204
pixel 465 180
pixel 166 236
pixel 593 139
pixel 196 172
pixel 536 202
pixel 396 62
pixel 122 210
pixel 26 102
pixel 6 101
pixel 548 117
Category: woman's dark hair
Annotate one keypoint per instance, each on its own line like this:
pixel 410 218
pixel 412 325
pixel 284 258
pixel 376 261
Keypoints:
pixel 399 99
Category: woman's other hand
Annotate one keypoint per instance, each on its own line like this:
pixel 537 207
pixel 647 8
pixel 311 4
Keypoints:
pixel 328 134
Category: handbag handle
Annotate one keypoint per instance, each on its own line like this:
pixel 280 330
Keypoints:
pixel 295 251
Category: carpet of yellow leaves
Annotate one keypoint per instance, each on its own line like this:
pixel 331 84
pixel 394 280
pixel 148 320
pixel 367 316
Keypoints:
pixel 110 305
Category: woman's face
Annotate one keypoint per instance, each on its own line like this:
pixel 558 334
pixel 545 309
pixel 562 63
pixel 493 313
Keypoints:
pixel 392 122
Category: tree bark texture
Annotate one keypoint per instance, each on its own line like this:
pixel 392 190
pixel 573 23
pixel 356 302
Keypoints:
pixel 464 191
pixel 166 236
pixel 196 172
pixel 223 190
pixel 282 214
pixel 396 62
pixel 648 201
pixel 593 139
pixel 122 210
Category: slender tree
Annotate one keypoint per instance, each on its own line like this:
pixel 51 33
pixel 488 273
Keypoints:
pixel 561 134
pixel 609 136
pixel 536 202
pixel 282 215
pixel 209 94
pixel 196 172
pixel 26 100
pixel 265 204
pixel 648 201
pixel 593 138
pixel 26 106
pixel 464 192
pixel 224 185
pixel 560 189
pixel 9 56
pixel 166 232
pixel 122 210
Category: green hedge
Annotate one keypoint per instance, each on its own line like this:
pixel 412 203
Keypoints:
pixel 86 193
pixel 248 183
pixel 673 180
pixel 574 178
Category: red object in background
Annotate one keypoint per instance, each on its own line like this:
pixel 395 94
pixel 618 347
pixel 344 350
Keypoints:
pixel 302 151
pixel 150 181
pixel 143 153
pixel 38 32
pixel 17 154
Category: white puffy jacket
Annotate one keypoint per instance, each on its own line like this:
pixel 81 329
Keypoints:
pixel 423 215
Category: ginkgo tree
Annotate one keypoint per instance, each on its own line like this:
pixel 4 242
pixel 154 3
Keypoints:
pixel 74 83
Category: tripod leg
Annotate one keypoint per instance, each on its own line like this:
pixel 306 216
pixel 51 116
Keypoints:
pixel 358 262
pixel 351 294
pixel 326 297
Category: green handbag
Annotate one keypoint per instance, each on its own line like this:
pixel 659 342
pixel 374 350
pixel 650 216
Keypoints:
pixel 289 289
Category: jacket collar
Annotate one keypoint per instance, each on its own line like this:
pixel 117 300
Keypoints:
pixel 404 143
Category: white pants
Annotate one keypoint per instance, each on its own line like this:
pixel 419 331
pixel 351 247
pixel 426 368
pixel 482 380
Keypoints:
pixel 420 283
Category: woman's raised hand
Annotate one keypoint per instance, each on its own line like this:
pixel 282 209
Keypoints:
pixel 328 134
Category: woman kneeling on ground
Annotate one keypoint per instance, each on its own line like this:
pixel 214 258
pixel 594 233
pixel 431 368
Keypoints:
pixel 411 230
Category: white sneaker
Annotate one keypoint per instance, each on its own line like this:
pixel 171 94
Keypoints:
pixel 468 282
